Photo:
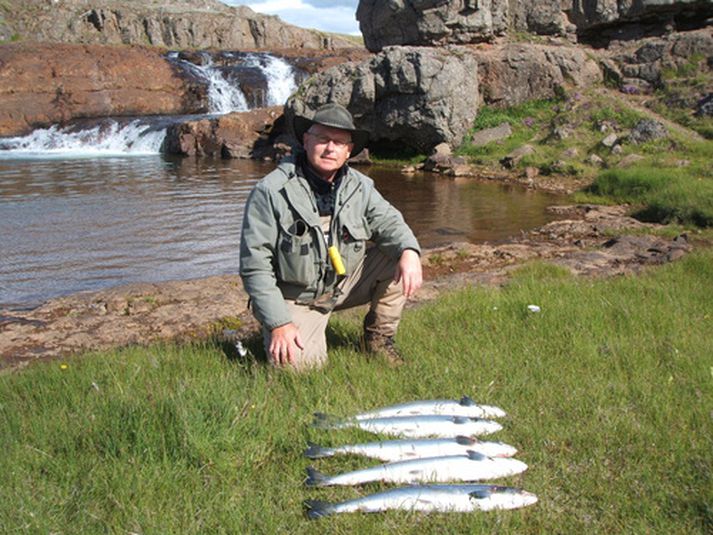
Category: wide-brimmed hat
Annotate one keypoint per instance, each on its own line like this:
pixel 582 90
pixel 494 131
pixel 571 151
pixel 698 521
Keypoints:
pixel 336 116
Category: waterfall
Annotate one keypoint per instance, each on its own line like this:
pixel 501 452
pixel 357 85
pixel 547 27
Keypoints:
pixel 224 74
pixel 270 81
pixel 278 73
pixel 108 138
pixel 223 96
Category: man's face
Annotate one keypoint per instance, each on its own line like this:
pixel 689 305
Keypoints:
pixel 327 149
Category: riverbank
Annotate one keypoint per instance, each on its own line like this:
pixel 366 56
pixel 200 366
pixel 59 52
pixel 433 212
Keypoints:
pixel 587 240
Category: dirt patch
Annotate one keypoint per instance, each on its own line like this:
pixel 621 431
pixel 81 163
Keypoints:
pixel 588 240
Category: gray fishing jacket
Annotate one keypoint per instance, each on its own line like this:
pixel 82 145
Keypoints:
pixel 283 250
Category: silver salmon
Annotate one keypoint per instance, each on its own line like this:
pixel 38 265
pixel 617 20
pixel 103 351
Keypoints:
pixel 470 467
pixel 427 499
pixel 402 449
pixel 464 407
pixel 413 426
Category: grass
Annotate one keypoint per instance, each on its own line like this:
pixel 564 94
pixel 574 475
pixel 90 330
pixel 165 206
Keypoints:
pixel 672 182
pixel 665 195
pixel 609 391
pixel 577 118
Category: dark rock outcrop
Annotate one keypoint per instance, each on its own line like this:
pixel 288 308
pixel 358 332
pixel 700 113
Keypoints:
pixel 438 22
pixel 639 66
pixel 44 84
pixel 176 24
pixel 418 97
pixel 430 22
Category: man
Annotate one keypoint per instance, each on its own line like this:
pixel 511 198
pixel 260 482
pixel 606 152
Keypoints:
pixel 303 250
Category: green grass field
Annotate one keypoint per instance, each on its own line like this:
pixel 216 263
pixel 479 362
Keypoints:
pixel 609 391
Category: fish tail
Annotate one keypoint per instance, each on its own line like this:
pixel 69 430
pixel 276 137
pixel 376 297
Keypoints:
pixel 326 421
pixel 318 508
pixel 315 478
pixel 315 451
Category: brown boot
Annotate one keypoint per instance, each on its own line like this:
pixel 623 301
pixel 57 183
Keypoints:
pixel 383 346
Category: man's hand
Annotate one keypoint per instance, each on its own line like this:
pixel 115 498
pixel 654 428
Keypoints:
pixel 408 271
pixel 285 341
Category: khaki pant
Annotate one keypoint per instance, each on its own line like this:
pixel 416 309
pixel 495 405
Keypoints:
pixel 372 283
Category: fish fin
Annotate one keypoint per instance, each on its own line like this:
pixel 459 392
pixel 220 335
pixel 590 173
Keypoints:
pixel 318 508
pixel 480 494
pixel 325 421
pixel 461 420
pixel 315 451
pixel 475 456
pixel 315 478
pixel 466 441
pixel 467 401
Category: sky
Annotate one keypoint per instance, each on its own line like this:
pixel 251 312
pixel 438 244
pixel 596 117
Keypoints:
pixel 327 15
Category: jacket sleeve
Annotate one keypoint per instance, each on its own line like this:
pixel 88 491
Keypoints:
pixel 388 229
pixel 257 259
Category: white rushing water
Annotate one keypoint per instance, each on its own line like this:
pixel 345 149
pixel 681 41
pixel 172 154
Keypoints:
pixel 223 96
pixel 110 138
pixel 138 137
pixel 280 77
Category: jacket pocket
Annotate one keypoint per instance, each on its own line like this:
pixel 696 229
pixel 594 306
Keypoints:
pixel 295 255
pixel 354 236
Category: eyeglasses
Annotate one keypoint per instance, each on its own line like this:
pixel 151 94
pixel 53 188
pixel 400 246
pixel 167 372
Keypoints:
pixel 324 140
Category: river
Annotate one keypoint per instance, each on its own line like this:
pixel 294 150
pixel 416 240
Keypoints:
pixel 75 224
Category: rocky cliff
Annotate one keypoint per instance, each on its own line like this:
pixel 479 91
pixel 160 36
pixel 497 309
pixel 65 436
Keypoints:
pixel 43 84
pixel 438 22
pixel 177 24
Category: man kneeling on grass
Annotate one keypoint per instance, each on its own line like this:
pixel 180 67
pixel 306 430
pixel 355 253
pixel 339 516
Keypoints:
pixel 303 249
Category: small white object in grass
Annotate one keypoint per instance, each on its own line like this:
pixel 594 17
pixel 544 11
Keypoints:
pixel 533 308
pixel 242 351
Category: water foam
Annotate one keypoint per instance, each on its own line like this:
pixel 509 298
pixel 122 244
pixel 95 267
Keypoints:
pixel 109 138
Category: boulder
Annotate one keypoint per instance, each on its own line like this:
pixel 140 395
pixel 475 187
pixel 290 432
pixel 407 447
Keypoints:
pixel 515 73
pixel 647 130
pixel 635 19
pixel 489 135
pixel 543 17
pixel 413 97
pixel 177 24
pixel 704 107
pixel 513 159
pixel 430 22
pixel 252 134
pixel 641 64
pixel 44 84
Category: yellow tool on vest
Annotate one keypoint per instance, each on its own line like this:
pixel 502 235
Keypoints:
pixel 336 259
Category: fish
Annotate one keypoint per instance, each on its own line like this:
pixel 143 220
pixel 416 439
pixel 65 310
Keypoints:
pixel 464 407
pixel 427 499
pixel 402 449
pixel 471 467
pixel 435 425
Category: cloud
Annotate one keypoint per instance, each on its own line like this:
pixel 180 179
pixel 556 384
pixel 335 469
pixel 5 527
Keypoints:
pixel 352 4
pixel 330 16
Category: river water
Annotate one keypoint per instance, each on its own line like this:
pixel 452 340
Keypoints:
pixel 74 224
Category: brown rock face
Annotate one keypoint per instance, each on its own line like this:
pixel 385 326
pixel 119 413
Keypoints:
pixel 45 84
pixel 250 134
pixel 513 74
